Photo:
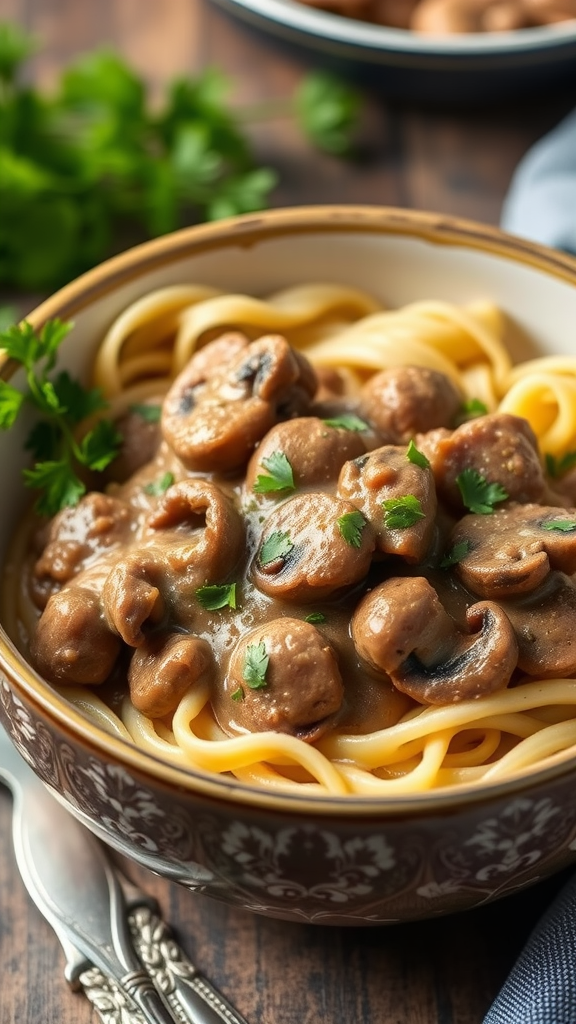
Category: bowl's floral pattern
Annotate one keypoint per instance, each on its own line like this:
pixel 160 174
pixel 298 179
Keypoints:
pixel 331 870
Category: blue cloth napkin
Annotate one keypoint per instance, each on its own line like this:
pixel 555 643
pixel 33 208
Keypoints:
pixel 541 987
pixel 541 202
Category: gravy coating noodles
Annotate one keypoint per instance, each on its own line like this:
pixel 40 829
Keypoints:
pixel 335 553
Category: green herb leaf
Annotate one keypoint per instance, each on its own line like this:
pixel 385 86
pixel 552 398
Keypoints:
pixel 348 421
pixel 58 483
pixel 401 513
pixel 161 485
pixel 100 446
pixel 150 413
pixel 565 525
pixel 472 408
pixel 281 477
pixel 10 402
pixel 327 110
pixel 256 666
pixel 556 467
pixel 215 596
pixel 315 618
pixel 77 401
pixel 417 457
pixel 478 494
pixel 351 525
pixel 458 552
pixel 277 546
pixel 237 694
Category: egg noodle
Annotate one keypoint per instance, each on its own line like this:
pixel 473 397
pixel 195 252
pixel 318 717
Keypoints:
pixel 486 739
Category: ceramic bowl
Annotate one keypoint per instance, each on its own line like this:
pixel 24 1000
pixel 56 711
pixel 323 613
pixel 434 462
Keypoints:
pixel 338 860
pixel 458 69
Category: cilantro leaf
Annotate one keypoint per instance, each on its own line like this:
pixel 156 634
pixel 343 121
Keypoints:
pixel 456 554
pixel 149 413
pixel 277 546
pixel 281 477
pixel 161 485
pixel 315 617
pixel 564 525
pixel 351 525
pixel 417 457
pixel 215 596
pixel 478 494
pixel 401 513
pixel 348 421
pixel 557 467
pixel 58 483
pixel 256 666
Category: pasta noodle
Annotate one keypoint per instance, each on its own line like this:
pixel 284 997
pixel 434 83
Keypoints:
pixel 486 739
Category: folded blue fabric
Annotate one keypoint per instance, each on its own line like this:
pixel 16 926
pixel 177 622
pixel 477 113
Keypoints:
pixel 541 202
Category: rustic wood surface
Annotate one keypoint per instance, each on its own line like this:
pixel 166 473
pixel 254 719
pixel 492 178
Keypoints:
pixel 444 971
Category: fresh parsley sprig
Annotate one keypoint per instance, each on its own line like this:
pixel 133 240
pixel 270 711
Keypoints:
pixel 417 457
pixel 478 494
pixel 351 525
pixel 556 467
pixel 280 476
pixel 256 666
pixel 456 554
pixel 401 513
pixel 215 596
pixel 347 421
pixel 161 485
pixel 563 525
pixel 63 403
pixel 275 548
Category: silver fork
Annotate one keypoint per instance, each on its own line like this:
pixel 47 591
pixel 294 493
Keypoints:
pixel 117 948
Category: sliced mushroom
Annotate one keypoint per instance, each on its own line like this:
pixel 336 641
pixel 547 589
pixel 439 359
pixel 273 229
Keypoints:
pixel 282 676
pixel 73 643
pixel 402 629
pixel 215 425
pixel 385 475
pixel 407 400
pixel 312 546
pixel 164 668
pixel 545 626
pixel 132 595
pixel 500 447
pixel 513 550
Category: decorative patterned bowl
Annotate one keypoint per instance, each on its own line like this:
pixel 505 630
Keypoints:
pixel 334 860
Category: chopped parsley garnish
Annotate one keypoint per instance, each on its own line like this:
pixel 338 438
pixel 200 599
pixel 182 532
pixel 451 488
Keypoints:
pixel 478 494
pixel 458 552
pixel 215 596
pixel 348 421
pixel 63 404
pixel 280 478
pixel 150 413
pixel 278 545
pixel 557 467
pixel 315 617
pixel 351 525
pixel 161 485
pixel 400 513
pixel 237 694
pixel 256 666
pixel 470 409
pixel 564 525
pixel 416 456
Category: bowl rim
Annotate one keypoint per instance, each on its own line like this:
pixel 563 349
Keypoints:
pixel 248 230
pixel 364 36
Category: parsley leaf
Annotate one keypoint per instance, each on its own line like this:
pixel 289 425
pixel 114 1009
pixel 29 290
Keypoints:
pixel 150 413
pixel 256 666
pixel 277 546
pixel 400 513
pixel 351 525
pixel 565 525
pixel 348 421
pixel 458 552
pixel 557 467
pixel 237 694
pixel 315 617
pixel 59 485
pixel 478 494
pixel 10 402
pixel 160 486
pixel 472 408
pixel 327 110
pixel 281 477
pixel 215 596
pixel 417 457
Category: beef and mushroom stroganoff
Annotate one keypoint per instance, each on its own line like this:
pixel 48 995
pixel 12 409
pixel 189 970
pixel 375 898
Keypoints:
pixel 334 554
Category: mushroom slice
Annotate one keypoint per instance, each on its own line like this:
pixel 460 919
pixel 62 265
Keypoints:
pixel 312 546
pixel 402 629
pixel 163 668
pixel 132 595
pixel 545 626
pixel 282 676
pixel 387 475
pixel 512 551
pixel 215 425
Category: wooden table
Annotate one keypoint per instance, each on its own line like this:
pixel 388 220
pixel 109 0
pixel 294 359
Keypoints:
pixel 444 971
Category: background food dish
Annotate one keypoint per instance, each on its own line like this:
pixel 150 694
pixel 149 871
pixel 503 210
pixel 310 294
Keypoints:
pixel 458 69
pixel 197 829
